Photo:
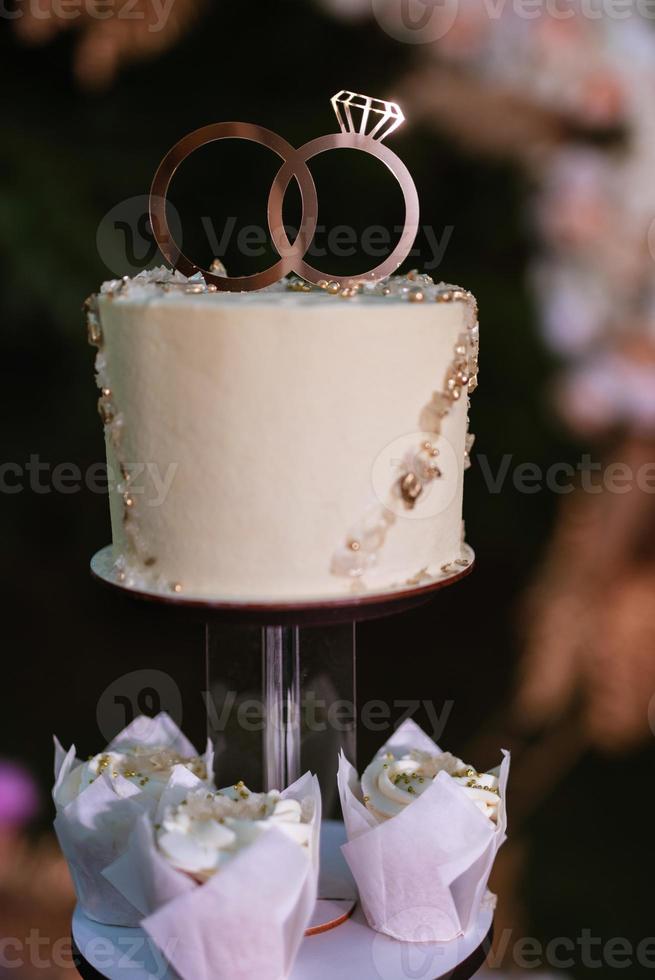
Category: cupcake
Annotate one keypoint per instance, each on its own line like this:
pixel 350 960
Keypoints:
pixel 226 881
pixel 98 803
pixel 391 783
pixel 148 769
pixel 423 832
pixel 206 830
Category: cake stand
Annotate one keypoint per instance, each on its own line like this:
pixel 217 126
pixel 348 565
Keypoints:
pixel 351 952
pixel 295 650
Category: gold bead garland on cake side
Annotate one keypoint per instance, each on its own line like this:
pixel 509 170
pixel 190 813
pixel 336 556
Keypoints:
pixel 113 423
pixel 421 468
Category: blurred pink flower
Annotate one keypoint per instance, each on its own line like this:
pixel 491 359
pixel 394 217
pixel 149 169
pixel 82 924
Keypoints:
pixel 19 797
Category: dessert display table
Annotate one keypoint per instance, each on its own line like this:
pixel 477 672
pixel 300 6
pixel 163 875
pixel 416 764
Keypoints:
pixel 350 950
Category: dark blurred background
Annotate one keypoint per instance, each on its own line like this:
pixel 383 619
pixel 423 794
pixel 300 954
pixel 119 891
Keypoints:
pixel 531 140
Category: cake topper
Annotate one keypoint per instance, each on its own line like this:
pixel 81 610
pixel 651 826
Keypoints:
pixel 364 122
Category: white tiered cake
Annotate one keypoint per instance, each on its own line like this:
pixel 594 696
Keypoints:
pixel 286 445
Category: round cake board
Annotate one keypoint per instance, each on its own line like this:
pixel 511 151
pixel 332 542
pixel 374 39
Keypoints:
pixel 350 950
pixel 355 606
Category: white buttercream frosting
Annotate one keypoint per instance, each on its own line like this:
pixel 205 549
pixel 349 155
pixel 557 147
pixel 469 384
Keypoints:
pixel 190 374
pixel 207 829
pixel 389 784
pixel 147 767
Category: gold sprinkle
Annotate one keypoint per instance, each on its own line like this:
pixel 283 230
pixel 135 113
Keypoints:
pixel 333 288
pixel 355 546
pixel 176 587
pixel 416 296
pixel 367 799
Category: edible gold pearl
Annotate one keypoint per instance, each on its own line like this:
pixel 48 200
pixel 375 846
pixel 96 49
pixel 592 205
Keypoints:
pixel 333 288
pixel 416 296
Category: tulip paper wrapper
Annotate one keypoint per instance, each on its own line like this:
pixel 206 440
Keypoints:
pixel 94 826
pixel 248 919
pixel 423 874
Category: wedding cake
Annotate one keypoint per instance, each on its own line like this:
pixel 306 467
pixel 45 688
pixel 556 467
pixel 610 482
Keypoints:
pixel 294 444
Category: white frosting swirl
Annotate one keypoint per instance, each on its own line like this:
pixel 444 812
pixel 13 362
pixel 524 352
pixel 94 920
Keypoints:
pixel 207 829
pixel 147 767
pixel 389 784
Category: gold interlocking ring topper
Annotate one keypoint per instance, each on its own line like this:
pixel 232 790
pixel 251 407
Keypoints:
pixel 364 123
